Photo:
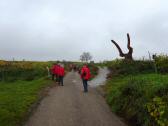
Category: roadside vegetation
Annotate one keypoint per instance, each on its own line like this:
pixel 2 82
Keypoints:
pixel 22 70
pixel 94 70
pixel 20 85
pixel 138 90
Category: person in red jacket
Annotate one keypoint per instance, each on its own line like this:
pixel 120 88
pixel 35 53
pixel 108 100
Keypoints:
pixel 56 72
pixel 53 71
pixel 85 75
pixel 61 73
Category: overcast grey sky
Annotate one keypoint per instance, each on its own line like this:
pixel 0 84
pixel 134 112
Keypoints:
pixel 63 29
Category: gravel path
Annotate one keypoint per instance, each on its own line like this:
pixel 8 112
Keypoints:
pixel 69 106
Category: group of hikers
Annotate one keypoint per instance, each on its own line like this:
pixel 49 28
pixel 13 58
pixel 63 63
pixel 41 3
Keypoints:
pixel 58 72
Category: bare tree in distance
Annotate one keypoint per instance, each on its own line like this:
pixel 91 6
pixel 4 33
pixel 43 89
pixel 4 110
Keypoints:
pixel 127 56
pixel 85 57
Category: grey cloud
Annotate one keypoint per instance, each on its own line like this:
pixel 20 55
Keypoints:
pixel 52 29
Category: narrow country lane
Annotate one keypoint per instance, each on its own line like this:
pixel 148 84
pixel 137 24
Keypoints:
pixel 69 106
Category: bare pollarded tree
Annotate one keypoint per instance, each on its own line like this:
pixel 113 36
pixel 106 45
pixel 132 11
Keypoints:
pixel 127 56
pixel 85 57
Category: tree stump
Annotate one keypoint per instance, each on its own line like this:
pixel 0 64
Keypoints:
pixel 127 56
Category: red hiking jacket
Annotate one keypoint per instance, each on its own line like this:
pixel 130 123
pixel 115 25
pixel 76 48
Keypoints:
pixel 85 73
pixel 61 71
pixel 56 69
pixel 53 69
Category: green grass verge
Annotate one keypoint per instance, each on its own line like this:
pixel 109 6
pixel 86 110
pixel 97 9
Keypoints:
pixel 141 99
pixel 16 99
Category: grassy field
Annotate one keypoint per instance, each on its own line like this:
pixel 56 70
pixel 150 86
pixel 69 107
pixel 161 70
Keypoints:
pixel 16 98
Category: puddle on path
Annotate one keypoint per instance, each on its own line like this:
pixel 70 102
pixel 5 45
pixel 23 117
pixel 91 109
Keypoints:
pixel 100 79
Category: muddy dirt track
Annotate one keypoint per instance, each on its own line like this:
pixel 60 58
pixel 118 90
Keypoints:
pixel 68 106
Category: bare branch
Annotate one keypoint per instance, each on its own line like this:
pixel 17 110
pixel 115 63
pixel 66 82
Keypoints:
pixel 129 43
pixel 118 47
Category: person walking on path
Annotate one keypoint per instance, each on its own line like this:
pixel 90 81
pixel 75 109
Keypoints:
pixel 85 75
pixel 61 73
pixel 53 71
pixel 56 72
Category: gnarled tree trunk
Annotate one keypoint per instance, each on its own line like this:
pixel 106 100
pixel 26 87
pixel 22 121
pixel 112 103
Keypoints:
pixel 127 56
